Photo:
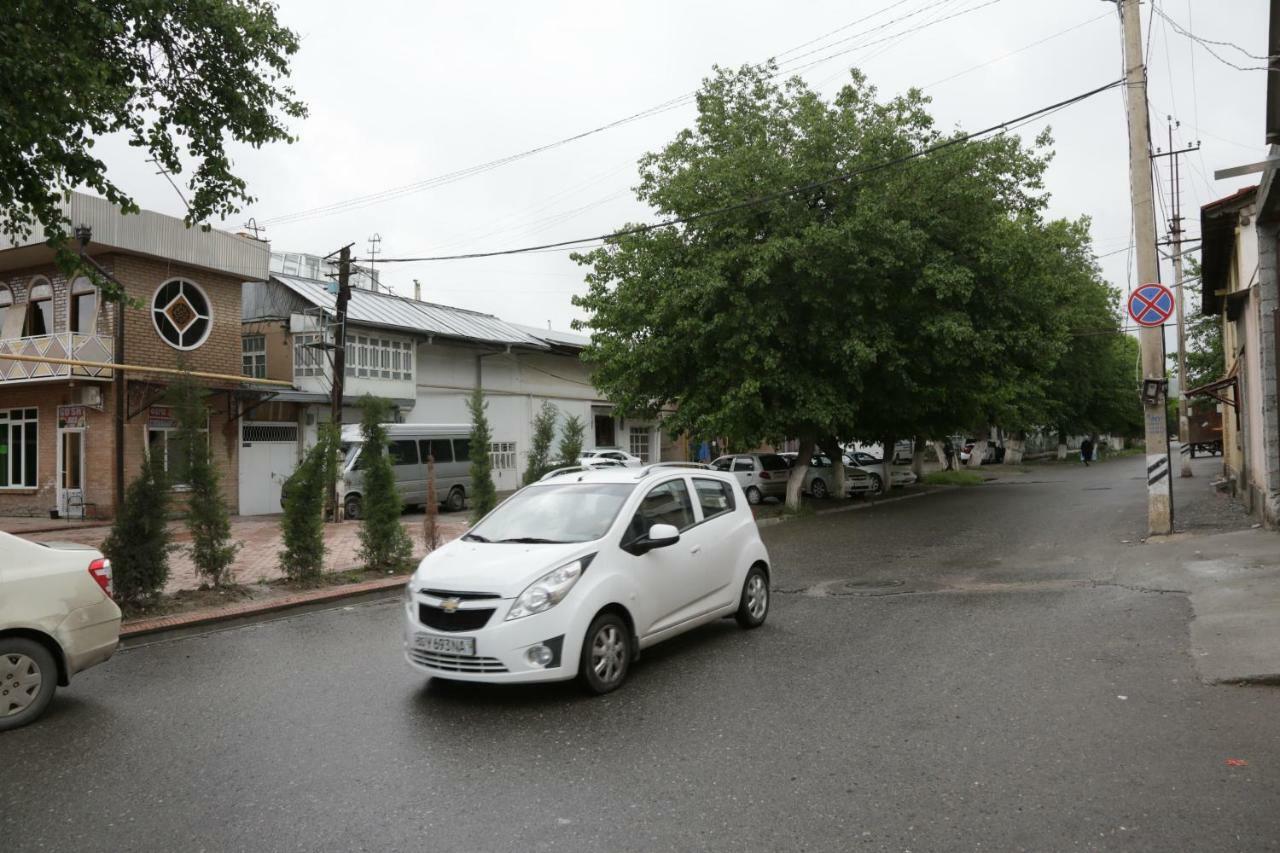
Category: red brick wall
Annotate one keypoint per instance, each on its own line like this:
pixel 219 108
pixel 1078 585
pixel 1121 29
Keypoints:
pixel 220 353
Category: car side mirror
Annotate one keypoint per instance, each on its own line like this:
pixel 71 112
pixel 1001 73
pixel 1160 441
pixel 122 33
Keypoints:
pixel 662 535
pixel 659 536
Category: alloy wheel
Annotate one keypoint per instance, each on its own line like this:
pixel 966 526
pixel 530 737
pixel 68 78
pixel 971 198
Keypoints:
pixel 608 650
pixel 20 680
pixel 757 597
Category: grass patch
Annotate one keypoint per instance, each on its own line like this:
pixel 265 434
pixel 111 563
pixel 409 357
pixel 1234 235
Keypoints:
pixel 953 478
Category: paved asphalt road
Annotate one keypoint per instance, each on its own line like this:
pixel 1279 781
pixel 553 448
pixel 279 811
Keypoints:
pixel 1008 690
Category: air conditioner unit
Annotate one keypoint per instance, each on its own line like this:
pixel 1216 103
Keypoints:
pixel 89 395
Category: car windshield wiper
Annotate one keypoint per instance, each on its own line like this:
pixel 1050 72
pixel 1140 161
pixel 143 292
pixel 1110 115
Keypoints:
pixel 533 540
pixel 474 537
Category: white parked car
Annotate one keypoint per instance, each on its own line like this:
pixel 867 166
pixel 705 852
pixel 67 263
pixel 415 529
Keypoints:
pixel 606 455
pixel 56 619
pixel 573 576
pixel 900 473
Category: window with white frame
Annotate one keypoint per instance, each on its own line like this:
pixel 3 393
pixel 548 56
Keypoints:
pixel 308 356
pixel 163 442
pixel 253 355
pixel 502 455
pixel 640 441
pixel 379 358
pixel 19 450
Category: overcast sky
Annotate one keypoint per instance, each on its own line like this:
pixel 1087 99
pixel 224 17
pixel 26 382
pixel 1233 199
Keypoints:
pixel 401 92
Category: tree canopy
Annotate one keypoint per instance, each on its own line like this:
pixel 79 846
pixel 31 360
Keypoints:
pixel 179 81
pixel 915 295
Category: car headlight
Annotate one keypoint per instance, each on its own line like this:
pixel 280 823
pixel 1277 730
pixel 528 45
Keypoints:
pixel 549 590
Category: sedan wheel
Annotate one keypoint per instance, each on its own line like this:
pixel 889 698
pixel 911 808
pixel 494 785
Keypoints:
pixel 753 495
pixel 818 489
pixel 456 500
pixel 877 485
pixel 28 677
pixel 753 607
pixel 606 654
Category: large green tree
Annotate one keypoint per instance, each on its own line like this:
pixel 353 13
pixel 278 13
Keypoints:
pixel 180 81
pixel 892 302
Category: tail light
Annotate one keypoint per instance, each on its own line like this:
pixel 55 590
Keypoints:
pixel 765 475
pixel 101 571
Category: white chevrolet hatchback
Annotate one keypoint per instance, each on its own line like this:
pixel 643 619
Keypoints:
pixel 574 575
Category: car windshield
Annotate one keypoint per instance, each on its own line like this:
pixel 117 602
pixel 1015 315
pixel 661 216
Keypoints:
pixel 554 513
pixel 773 462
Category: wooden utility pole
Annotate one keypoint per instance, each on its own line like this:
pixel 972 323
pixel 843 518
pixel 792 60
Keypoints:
pixel 1151 340
pixel 339 361
pixel 1175 239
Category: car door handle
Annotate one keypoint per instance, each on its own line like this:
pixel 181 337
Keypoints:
pixel 695 549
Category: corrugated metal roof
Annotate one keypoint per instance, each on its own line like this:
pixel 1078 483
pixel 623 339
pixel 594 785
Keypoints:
pixel 396 312
pixel 555 336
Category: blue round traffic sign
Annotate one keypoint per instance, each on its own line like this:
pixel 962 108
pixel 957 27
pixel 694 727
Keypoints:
pixel 1151 304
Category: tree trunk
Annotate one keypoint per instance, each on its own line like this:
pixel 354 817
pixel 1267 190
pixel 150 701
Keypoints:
pixel 1014 448
pixel 886 462
pixel 979 452
pixel 1062 445
pixel 796 480
pixel 917 457
pixel 831 447
pixel 940 450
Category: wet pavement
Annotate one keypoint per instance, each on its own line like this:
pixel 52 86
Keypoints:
pixel 982 668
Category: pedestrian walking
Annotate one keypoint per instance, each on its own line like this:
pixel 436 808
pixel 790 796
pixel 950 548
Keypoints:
pixel 1086 451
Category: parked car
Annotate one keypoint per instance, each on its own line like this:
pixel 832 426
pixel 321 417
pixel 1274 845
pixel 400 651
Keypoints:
pixel 573 575
pixel 408 446
pixel 900 474
pixel 607 454
pixel 761 475
pixel 56 619
pixel 820 477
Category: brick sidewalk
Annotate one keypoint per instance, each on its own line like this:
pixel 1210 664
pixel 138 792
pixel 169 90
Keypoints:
pixel 261 541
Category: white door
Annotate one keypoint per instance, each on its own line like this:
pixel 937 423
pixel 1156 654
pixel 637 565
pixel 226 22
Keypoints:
pixel 268 456
pixel 71 472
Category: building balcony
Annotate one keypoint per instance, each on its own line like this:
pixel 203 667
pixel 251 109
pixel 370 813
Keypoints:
pixel 70 346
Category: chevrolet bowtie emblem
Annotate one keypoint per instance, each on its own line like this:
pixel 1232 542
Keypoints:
pixel 450 605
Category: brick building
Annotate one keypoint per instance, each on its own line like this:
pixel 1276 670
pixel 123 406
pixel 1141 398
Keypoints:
pixel 58 422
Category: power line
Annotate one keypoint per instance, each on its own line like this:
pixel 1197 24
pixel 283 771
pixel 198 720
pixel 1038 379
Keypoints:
pixel 680 220
pixel 1206 44
pixel 368 199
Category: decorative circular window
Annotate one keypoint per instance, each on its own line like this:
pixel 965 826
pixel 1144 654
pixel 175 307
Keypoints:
pixel 181 313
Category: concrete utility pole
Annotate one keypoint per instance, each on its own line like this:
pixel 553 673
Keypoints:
pixel 1151 340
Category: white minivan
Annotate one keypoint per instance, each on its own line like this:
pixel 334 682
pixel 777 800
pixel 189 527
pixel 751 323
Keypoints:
pixel 408 446
pixel 575 574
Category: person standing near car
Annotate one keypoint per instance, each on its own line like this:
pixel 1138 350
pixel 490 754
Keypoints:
pixel 1086 451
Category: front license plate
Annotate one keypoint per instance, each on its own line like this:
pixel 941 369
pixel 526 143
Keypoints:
pixel 463 646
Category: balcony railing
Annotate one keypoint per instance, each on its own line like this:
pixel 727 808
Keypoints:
pixel 67 345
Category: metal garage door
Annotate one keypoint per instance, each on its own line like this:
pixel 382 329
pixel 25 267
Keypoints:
pixel 268 455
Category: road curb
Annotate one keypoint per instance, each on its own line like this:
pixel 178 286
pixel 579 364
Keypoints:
pixel 179 623
pixel 778 519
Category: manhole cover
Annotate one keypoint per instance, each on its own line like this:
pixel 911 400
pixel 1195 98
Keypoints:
pixel 867 587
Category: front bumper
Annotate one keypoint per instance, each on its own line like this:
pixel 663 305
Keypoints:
pixel 500 646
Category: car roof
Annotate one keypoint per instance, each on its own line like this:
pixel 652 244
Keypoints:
pixel 641 475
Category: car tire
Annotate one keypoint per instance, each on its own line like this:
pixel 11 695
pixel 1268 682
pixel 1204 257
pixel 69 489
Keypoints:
pixel 818 489
pixel 753 496
pixel 28 679
pixel 877 486
pixel 753 604
pixel 456 500
pixel 351 507
pixel 606 654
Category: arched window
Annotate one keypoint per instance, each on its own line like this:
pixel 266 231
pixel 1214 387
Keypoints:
pixel 39 308
pixel 6 303
pixel 82 307
pixel 181 313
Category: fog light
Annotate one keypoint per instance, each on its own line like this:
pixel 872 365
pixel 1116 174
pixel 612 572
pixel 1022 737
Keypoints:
pixel 538 655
